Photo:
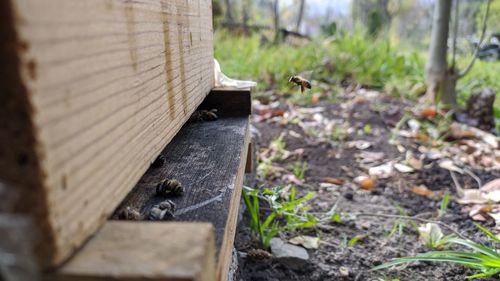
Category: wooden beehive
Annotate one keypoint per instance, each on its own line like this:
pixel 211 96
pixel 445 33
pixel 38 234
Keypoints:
pixel 90 92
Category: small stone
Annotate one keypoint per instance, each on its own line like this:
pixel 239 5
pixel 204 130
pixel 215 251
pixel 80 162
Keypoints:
pixel 344 271
pixel 293 256
pixel 349 196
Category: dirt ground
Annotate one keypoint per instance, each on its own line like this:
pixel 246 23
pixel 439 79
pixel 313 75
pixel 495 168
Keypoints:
pixel 391 195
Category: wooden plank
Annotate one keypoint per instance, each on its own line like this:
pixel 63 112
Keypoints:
pixel 134 251
pixel 209 159
pixel 94 91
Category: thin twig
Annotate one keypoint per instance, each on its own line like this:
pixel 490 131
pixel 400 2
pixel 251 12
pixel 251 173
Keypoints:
pixel 476 178
pixel 483 32
pixel 335 244
pixel 455 35
pixel 460 190
pixel 415 219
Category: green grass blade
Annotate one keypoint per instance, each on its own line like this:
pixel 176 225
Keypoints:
pixel 268 220
pixel 478 247
pixel 461 261
pixel 487 232
pixel 484 274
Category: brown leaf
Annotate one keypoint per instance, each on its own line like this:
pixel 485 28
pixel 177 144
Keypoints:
pixel 429 112
pixel 331 180
pixel 422 190
pixel 415 163
pixel 370 156
pixel 491 185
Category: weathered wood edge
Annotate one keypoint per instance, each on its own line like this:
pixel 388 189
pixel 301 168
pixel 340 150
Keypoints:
pixel 21 154
pixel 225 253
pixel 136 251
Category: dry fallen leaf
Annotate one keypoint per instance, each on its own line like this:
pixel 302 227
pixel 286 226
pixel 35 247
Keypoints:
pixel 491 185
pixel 472 196
pixel 370 156
pixel 429 112
pixel 450 166
pixel 382 171
pixel 430 234
pixel 307 242
pixel 359 144
pixel 422 190
pixel 332 180
pixel 403 168
pixel 415 163
pixel 493 196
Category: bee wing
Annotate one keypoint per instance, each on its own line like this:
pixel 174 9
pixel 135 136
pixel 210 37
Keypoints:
pixel 306 73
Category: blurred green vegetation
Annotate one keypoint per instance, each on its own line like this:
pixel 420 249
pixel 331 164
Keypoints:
pixel 334 61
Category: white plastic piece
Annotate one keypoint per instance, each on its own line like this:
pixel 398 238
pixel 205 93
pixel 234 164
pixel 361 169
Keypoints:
pixel 222 81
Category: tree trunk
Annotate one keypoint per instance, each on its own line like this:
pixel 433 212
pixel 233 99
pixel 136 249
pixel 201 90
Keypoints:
pixel 384 10
pixel 229 12
pixel 440 80
pixel 245 11
pixel 300 15
pixel 276 20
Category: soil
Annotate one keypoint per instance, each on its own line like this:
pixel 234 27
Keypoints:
pixel 390 196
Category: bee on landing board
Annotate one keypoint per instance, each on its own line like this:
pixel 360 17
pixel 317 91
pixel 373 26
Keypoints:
pixel 169 187
pixel 204 115
pixel 162 211
pixel 130 214
pixel 300 81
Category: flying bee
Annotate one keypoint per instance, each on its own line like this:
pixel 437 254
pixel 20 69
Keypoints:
pixel 163 211
pixel 169 187
pixel 300 81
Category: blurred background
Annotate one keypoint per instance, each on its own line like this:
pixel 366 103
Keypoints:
pixel 378 44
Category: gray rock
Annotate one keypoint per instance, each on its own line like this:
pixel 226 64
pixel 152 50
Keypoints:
pixel 293 256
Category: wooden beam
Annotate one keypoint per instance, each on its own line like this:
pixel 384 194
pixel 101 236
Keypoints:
pixel 135 251
pixel 91 92
pixel 209 159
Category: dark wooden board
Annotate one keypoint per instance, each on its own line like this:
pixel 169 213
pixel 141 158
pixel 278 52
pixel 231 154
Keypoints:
pixel 209 159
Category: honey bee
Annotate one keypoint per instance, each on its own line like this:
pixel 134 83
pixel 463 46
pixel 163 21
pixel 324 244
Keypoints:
pixel 209 115
pixel 159 161
pixel 259 254
pixel 169 187
pixel 130 214
pixel 204 115
pixel 302 82
pixel 162 211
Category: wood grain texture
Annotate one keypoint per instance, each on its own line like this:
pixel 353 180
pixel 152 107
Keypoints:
pixel 134 251
pixel 209 159
pixel 98 88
